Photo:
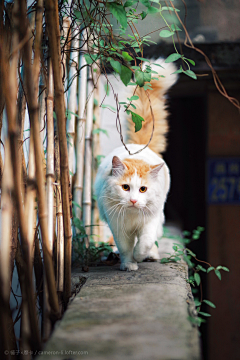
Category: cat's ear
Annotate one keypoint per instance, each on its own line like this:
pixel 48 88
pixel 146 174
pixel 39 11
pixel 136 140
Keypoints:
pixel 117 166
pixel 155 169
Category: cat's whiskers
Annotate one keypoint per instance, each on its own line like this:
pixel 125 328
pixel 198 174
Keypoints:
pixel 118 216
pixel 149 210
pixel 109 197
pixel 123 222
pixel 112 208
pixel 114 211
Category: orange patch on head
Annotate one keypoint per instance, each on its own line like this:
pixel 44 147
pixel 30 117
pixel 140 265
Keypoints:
pixel 136 166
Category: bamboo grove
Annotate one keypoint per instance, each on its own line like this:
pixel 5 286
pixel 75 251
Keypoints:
pixel 51 57
pixel 39 59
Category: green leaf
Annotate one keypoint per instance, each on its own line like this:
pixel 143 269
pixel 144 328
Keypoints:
pixel 204 314
pixel 153 10
pixel 147 87
pixel 195 236
pixel 197 303
pixel 126 75
pixel 133 106
pixel 175 248
pixel 126 56
pixel 176 258
pixel 118 12
pixel 169 8
pixel 181 246
pixel 188 261
pixel 129 3
pixel 225 268
pixel 76 204
pixel 139 76
pixel 116 66
pixel 90 58
pixel 137 119
pixel 158 65
pixel 144 14
pixel 97 131
pixel 190 252
pixel 199 267
pixel 191 74
pixel 145 3
pixel 107 89
pixel 156 243
pixel 166 33
pixel 174 27
pixel 217 272
pixel 209 303
pixel 143 59
pixel 78 224
pixel 134 97
pixel 104 106
pixel 197 278
pixel 164 261
pixel 191 61
pixel 173 57
pixel 210 269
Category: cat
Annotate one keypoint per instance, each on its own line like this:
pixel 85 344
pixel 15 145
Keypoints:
pixel 131 190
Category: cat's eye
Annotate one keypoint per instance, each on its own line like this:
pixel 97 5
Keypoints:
pixel 126 187
pixel 143 189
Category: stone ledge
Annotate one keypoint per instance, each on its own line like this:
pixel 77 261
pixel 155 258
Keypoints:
pixel 128 315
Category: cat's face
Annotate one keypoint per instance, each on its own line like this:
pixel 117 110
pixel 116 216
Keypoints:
pixel 134 183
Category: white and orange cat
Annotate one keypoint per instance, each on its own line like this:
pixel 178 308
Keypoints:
pixel 132 190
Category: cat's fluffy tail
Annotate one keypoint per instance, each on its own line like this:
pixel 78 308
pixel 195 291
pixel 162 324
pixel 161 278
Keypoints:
pixel 158 103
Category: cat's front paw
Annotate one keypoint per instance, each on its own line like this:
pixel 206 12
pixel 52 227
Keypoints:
pixel 128 266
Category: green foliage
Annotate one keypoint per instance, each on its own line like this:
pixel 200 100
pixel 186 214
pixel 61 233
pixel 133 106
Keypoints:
pixel 120 49
pixel 180 252
pixel 137 119
pixel 98 131
pixel 96 249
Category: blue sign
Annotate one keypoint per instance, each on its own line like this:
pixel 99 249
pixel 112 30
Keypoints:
pixel 224 181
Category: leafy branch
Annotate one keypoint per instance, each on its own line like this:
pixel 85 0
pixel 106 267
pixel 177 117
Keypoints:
pixel 183 253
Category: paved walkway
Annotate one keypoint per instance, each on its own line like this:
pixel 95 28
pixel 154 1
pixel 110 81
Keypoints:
pixel 128 316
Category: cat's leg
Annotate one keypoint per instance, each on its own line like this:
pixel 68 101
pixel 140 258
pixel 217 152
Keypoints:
pixel 125 247
pixel 145 246
pixel 154 253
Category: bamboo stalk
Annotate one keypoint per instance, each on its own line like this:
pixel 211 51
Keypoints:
pixel 6 224
pixel 21 106
pixel 59 214
pixel 72 103
pixel 50 197
pixel 54 47
pixel 31 215
pixel 10 91
pixel 81 123
pixel 65 46
pixel 87 190
pixel 42 108
pixel 32 100
pixel 50 155
pixel 7 333
pixel 96 152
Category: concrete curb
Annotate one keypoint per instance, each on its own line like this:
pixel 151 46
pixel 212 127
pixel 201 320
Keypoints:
pixel 128 315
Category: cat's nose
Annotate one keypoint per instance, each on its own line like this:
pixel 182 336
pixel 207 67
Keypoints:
pixel 133 201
